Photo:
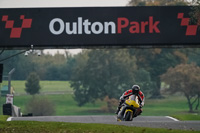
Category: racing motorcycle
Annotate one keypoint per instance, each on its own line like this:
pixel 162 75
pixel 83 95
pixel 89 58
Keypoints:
pixel 128 109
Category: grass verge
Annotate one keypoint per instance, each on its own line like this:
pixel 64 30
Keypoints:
pixel 66 105
pixel 3 118
pixel 46 86
pixel 187 117
pixel 61 127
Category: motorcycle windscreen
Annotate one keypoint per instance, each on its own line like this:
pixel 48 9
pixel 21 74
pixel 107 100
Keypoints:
pixel 133 101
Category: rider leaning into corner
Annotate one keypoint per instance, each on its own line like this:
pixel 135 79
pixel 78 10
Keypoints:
pixel 134 90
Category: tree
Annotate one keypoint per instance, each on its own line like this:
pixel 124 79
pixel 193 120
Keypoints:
pixel 32 84
pixel 157 3
pixel 102 72
pixel 136 3
pixel 48 67
pixel 194 56
pixel 143 79
pixel 195 13
pixel 156 62
pixel 60 71
pixel 12 62
pixel 184 78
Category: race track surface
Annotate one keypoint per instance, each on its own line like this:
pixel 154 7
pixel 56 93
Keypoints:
pixel 140 121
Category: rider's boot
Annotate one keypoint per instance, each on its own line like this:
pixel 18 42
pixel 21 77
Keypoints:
pixel 118 108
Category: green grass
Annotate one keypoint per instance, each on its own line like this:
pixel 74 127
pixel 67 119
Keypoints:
pixel 46 86
pixel 163 107
pixel 186 117
pixel 66 105
pixel 3 118
pixel 61 127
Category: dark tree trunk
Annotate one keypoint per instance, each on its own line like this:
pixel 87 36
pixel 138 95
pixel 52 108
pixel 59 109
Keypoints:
pixel 189 103
pixel 197 106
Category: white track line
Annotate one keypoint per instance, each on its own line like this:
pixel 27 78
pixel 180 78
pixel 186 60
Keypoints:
pixel 9 119
pixel 172 118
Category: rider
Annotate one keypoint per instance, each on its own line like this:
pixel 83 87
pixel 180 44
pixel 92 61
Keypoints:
pixel 134 90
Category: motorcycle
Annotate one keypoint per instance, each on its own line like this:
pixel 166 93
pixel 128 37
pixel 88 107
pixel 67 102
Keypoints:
pixel 128 109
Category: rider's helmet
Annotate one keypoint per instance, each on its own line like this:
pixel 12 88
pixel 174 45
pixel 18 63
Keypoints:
pixel 135 89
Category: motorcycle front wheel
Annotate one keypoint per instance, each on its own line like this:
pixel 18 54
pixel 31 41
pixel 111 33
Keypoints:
pixel 128 116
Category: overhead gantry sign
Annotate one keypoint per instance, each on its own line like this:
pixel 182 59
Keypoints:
pixel 98 26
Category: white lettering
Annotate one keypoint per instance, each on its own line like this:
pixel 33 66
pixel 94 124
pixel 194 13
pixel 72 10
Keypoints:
pixel 97 28
pixel 81 27
pixel 74 29
pixel 86 25
pixel 106 27
pixel 51 26
pixel 80 21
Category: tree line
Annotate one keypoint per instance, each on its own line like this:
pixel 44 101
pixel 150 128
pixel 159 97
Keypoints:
pixel 162 2
pixel 97 73
pixel 109 72
pixel 47 66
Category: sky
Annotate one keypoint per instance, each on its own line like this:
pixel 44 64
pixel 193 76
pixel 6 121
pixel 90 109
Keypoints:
pixel 61 3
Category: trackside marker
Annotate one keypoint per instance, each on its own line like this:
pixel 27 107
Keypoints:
pixel 172 118
pixel 9 119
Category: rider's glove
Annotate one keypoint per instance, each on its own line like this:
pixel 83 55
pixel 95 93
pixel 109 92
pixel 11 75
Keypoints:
pixel 122 99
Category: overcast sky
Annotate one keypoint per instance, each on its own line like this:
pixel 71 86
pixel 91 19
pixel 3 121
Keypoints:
pixel 61 3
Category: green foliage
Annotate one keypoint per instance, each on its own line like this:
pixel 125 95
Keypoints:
pixel 40 106
pixel 192 55
pixel 151 63
pixel 143 79
pixel 53 71
pixel 156 62
pixel 11 62
pixel 32 84
pixel 48 67
pixel 57 67
pixel 102 73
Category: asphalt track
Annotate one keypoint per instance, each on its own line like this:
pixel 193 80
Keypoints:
pixel 140 121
